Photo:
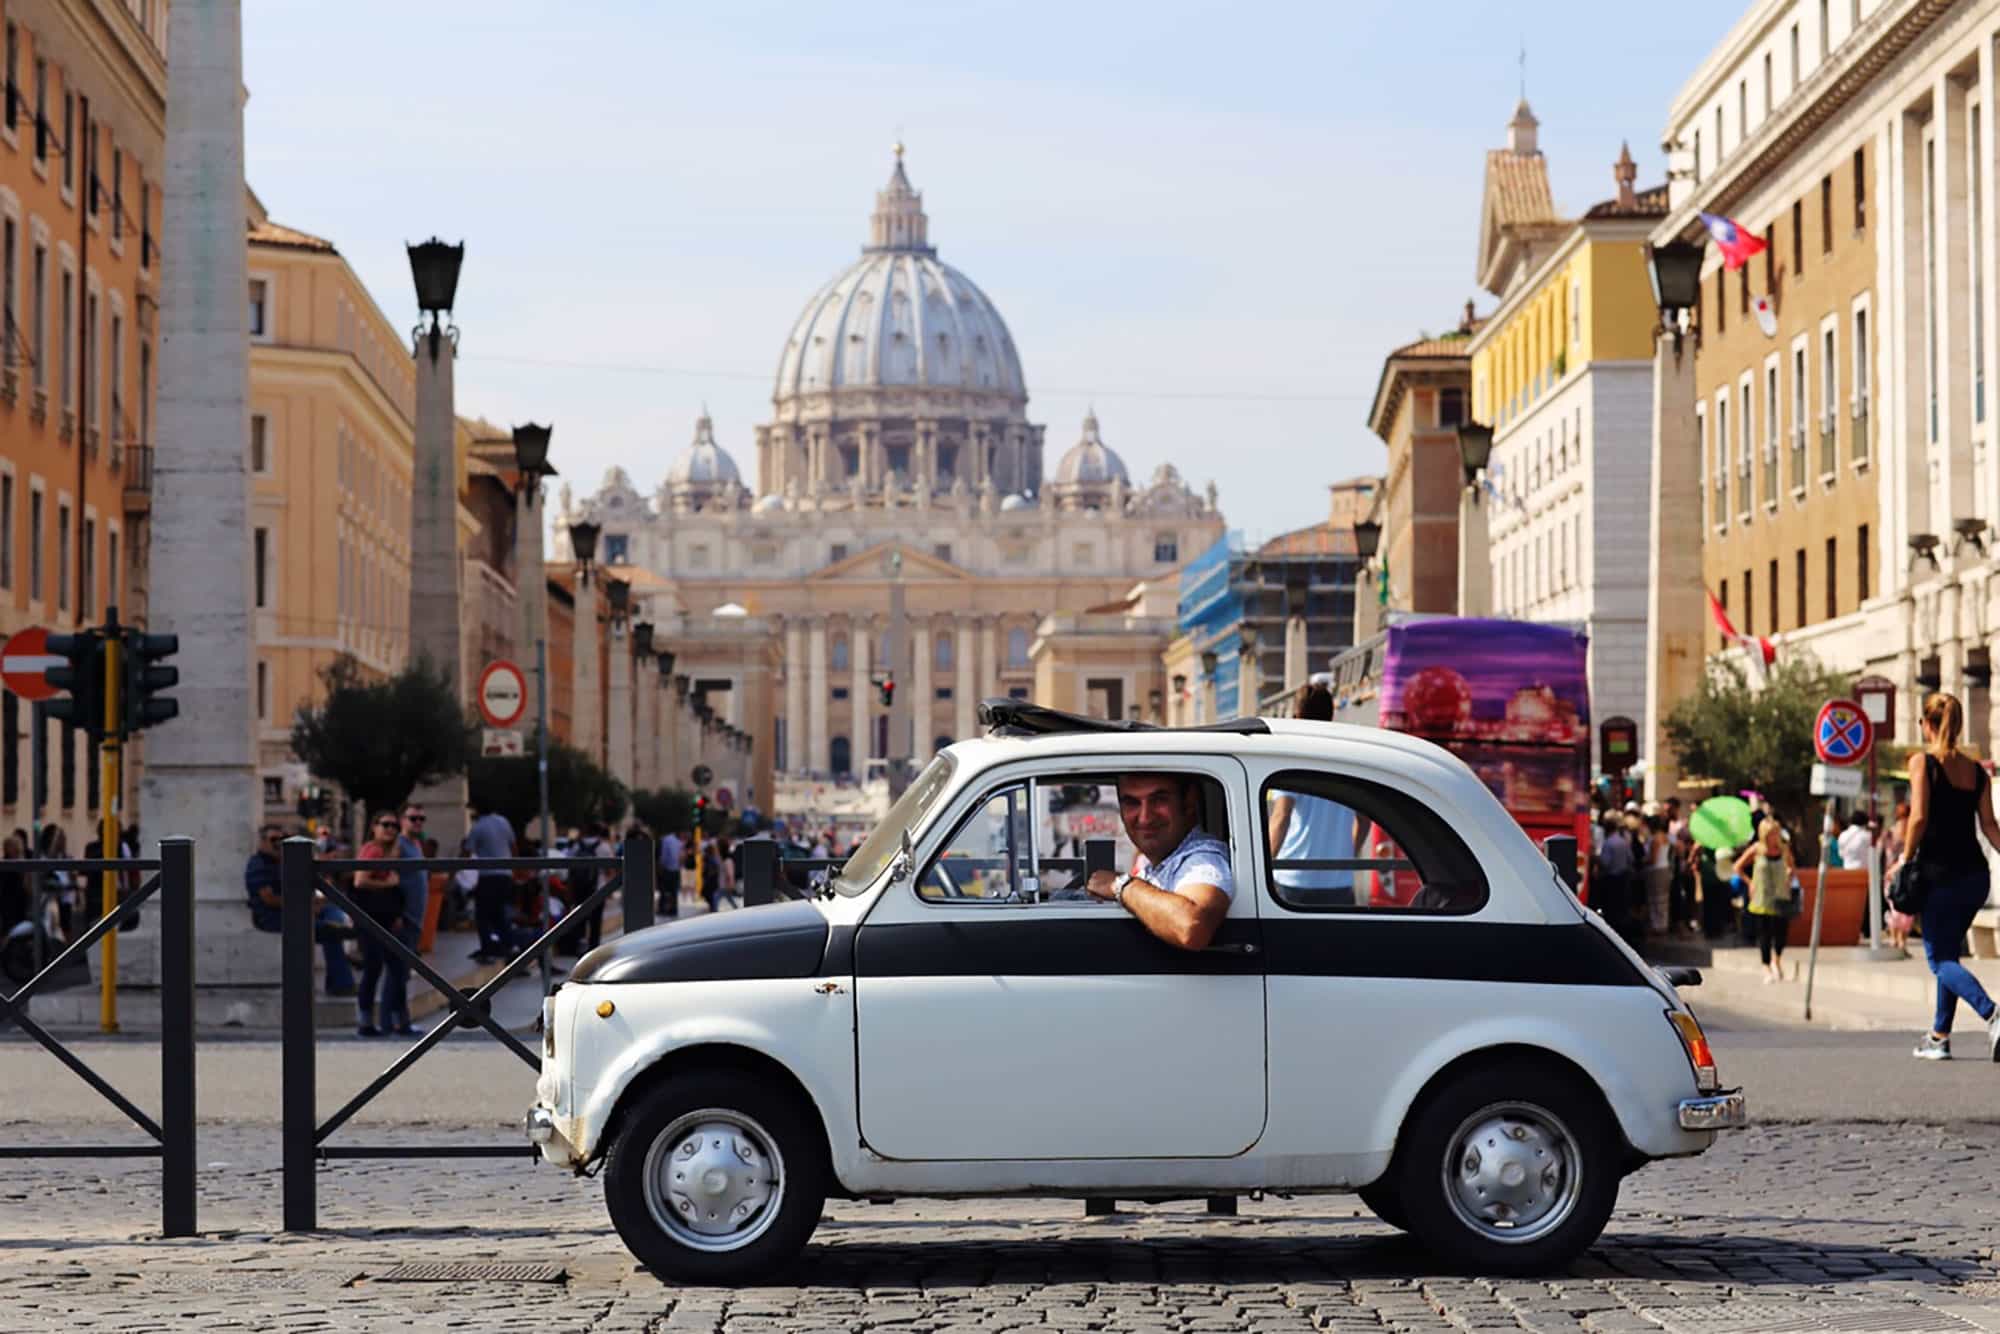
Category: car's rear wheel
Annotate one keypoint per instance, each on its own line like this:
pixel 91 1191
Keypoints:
pixel 1509 1169
pixel 716 1177
pixel 1382 1201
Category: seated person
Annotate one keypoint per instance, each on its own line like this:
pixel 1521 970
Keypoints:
pixel 1181 886
pixel 261 883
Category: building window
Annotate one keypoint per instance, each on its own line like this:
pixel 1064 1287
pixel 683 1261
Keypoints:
pixel 1861 563
pixel 1707 460
pixel 10 300
pixel 1017 647
pixel 113 582
pixel 1721 148
pixel 260 458
pixel 1017 692
pixel 840 653
pixel 1697 156
pixel 259 295
pixel 1743 285
pixel 117 193
pixel 36 536
pixel 837 553
pixel 1799 415
pixel 1772 584
pixel 1166 548
pixel 1749 605
pixel 1451 407
pixel 64 332
pixel 6 530
pixel 41 111
pixel 263 692
pixel 1860 189
pixel 617 546
pixel 69 146
pixel 942 551
pixel 1798 238
pixel 86 584
pixel 62 556
pixel 117 378
pixel 260 562
pixel 1721 299
pixel 145 223
pixel 145 392
pixel 1795 57
pixel 1723 442
pixel 13 84
pixel 1827 387
pixel 1767 85
pixel 1832 577
pixel 1742 110
pixel 1799 582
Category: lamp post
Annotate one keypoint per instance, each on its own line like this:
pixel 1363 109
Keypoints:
pixel 436 612
pixel 587 710
pixel 1297 597
pixel 1367 596
pixel 619 722
pixel 1247 673
pixel 1475 543
pixel 1676 610
pixel 531 464
pixel 1210 664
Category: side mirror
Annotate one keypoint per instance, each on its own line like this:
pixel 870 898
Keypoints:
pixel 905 862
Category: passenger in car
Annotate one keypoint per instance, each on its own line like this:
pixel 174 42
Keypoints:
pixel 1181 886
pixel 1304 827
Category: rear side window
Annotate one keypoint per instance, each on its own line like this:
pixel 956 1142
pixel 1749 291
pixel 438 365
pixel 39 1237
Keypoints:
pixel 1338 844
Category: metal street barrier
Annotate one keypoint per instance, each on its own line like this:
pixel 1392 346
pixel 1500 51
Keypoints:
pixel 300 875
pixel 173 1134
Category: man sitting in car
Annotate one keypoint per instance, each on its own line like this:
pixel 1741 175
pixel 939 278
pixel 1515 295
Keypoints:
pixel 1181 885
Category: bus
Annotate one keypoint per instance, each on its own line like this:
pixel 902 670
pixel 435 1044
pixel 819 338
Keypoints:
pixel 1510 698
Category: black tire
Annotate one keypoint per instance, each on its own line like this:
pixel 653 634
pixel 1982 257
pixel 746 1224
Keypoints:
pixel 1381 1199
pixel 786 1186
pixel 1525 1149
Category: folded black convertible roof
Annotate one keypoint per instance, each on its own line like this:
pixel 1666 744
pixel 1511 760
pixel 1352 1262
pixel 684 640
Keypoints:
pixel 1017 717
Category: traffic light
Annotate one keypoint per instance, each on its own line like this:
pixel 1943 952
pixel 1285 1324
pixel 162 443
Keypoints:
pixel 145 675
pixel 82 675
pixel 888 688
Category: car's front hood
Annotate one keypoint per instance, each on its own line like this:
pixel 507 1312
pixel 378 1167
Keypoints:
pixel 774 940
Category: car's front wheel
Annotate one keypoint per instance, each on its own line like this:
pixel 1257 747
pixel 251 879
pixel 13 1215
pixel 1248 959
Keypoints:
pixel 1509 1169
pixel 1382 1202
pixel 716 1177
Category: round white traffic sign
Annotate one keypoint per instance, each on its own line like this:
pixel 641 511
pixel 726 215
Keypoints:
pixel 502 694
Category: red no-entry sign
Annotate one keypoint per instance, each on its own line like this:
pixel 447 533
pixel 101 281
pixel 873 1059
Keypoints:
pixel 23 659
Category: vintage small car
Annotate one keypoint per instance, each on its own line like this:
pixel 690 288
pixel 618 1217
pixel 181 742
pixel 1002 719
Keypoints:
pixel 949 1014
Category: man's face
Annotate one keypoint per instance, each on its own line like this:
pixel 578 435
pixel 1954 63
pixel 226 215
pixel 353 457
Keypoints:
pixel 413 822
pixel 1158 811
pixel 269 840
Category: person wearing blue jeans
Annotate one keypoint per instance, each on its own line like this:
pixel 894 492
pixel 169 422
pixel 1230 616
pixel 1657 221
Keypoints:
pixel 1950 802
pixel 267 911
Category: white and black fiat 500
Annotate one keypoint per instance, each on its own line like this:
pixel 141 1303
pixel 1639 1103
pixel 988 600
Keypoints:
pixel 1315 958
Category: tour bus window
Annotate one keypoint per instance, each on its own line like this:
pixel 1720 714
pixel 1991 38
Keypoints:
pixel 1340 844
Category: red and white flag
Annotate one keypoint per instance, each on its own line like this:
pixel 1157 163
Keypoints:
pixel 1761 651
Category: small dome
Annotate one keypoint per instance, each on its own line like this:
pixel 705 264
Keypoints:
pixel 703 462
pixel 1090 462
pixel 1016 502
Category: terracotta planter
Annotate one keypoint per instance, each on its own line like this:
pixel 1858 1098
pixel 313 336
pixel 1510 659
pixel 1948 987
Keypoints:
pixel 1846 916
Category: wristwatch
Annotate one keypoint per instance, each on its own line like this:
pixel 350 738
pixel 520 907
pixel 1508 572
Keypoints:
pixel 1119 886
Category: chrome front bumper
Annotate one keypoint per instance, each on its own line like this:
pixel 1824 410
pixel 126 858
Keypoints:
pixel 540 1124
pixel 1719 1111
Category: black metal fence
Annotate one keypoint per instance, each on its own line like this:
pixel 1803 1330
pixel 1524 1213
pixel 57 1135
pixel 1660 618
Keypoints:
pixel 173 1144
pixel 301 875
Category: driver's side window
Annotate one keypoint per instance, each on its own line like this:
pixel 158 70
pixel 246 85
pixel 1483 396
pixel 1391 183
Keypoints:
pixel 988 856
pixel 1029 842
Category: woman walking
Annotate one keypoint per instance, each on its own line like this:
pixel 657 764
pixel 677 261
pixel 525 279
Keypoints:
pixel 1767 865
pixel 380 895
pixel 1659 873
pixel 1949 796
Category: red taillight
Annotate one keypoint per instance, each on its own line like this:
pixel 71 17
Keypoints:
pixel 1695 1043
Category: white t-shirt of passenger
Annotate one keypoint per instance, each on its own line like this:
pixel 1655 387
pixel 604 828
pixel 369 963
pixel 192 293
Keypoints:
pixel 1319 830
pixel 1201 859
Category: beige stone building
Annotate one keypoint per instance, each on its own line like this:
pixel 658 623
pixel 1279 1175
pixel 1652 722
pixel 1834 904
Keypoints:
pixel 1423 394
pixel 901 523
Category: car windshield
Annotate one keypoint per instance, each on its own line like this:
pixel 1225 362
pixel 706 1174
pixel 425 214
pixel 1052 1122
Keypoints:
pixel 876 851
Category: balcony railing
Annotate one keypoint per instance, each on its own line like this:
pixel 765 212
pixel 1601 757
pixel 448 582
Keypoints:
pixel 138 471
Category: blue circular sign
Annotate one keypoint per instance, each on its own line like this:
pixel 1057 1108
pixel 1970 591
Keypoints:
pixel 1842 733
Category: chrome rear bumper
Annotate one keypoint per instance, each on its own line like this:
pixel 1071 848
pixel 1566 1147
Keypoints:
pixel 1719 1111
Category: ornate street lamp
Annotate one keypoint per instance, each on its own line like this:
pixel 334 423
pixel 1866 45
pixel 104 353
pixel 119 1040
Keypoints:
pixel 583 543
pixel 619 593
pixel 1676 274
pixel 1247 634
pixel 1209 661
pixel 642 638
pixel 434 265
pixel 666 665
pixel 1475 448
pixel 531 451
pixel 1367 537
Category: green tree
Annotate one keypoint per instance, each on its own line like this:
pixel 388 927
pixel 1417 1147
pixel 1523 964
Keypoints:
pixel 580 791
pixel 1761 738
pixel 382 738
pixel 664 810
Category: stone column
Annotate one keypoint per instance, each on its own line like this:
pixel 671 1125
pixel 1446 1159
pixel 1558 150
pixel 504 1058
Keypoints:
pixel 1297 667
pixel 989 657
pixel 200 776
pixel 860 644
pixel 1367 610
pixel 1475 554
pixel 618 697
pixel 643 698
pixel 816 756
pixel 585 710
pixel 1249 686
pixel 1676 610
pixel 965 690
pixel 919 712
pixel 926 457
pixel 436 605
pixel 664 705
pixel 795 694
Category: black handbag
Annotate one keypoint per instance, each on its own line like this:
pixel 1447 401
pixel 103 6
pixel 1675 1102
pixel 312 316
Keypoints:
pixel 1906 889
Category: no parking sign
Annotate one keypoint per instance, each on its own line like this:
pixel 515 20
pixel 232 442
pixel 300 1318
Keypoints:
pixel 1842 733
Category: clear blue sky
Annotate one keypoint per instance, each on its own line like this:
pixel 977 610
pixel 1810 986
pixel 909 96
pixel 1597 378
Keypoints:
pixel 1211 220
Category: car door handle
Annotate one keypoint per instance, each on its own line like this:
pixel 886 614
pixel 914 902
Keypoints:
pixel 1241 948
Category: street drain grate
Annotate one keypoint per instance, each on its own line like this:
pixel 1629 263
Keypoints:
pixel 472 1272
pixel 1781 1317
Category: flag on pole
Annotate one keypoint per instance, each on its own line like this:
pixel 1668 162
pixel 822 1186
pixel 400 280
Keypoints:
pixel 1761 651
pixel 1735 242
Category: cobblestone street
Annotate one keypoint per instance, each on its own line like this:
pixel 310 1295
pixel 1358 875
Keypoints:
pixel 1790 1227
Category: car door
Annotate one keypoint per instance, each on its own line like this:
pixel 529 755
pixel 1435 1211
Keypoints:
pixel 998 1019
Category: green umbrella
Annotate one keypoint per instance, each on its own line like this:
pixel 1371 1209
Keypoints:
pixel 1721 823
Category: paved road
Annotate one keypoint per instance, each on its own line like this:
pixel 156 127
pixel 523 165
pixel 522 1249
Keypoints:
pixel 1826 1222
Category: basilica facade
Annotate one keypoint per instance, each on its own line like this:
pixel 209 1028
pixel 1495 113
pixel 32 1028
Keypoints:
pixel 902 524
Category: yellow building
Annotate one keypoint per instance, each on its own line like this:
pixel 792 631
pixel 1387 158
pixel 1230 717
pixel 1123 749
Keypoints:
pixel 1562 372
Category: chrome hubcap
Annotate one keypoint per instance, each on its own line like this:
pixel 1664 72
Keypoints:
pixel 714 1180
pixel 1513 1172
